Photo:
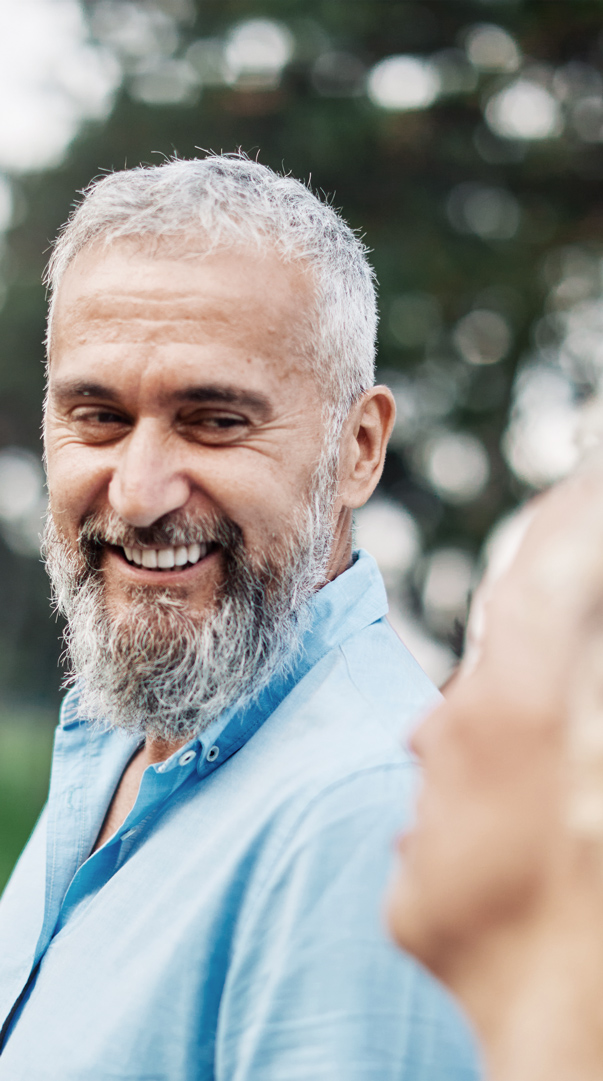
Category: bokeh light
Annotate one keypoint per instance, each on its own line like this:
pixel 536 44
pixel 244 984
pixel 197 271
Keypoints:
pixel 524 110
pixel 491 48
pixel 403 82
pixel 423 400
pixel 492 213
pixel 207 58
pixel 51 79
pixel 22 499
pixel 134 31
pixel 587 119
pixel 392 537
pixel 576 80
pixel 446 587
pixel 256 52
pixel 390 534
pixel 20 483
pixel 456 464
pixel 165 81
pixel 580 336
pixel 540 441
pixel 482 337
pixel 6 203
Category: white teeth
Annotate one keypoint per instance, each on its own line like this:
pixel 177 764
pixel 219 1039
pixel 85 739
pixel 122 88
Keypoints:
pixel 165 558
pixel 181 556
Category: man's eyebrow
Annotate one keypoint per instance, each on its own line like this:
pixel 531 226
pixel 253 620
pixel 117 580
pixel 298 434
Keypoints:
pixel 226 395
pixel 67 390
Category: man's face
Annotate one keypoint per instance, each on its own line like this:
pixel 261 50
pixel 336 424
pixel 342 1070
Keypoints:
pixel 179 384
pixel 492 807
pixel 183 432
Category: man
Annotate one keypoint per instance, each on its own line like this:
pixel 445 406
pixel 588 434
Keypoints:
pixel 500 889
pixel 200 899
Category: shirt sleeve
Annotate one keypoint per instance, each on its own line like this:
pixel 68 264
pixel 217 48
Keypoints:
pixel 315 990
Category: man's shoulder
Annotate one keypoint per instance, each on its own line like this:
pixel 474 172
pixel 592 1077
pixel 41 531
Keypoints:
pixel 384 672
pixel 369 682
pixel 328 773
pixel 352 712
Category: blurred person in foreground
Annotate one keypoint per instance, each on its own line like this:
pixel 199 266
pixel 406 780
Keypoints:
pixel 201 897
pixel 499 889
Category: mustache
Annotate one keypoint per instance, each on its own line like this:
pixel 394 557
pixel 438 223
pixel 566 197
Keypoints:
pixel 177 528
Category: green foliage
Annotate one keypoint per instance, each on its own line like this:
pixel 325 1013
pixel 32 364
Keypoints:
pixel 25 749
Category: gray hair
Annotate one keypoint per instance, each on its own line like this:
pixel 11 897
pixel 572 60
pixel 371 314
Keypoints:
pixel 231 201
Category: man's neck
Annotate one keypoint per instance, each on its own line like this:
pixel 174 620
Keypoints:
pixel 157 750
pixel 341 552
pixel 124 798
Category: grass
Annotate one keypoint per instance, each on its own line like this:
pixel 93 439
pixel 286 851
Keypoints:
pixel 25 752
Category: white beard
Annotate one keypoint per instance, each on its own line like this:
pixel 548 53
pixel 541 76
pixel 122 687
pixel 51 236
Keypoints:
pixel 159 670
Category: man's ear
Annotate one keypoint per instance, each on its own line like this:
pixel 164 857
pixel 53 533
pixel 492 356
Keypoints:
pixel 364 441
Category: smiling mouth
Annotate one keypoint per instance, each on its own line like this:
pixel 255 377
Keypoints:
pixel 176 557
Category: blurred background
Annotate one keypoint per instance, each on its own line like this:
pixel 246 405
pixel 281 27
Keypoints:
pixel 463 138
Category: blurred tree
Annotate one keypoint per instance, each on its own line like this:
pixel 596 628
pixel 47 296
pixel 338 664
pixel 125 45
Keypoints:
pixel 464 138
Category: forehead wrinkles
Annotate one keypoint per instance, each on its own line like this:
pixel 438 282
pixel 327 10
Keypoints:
pixel 160 320
pixel 115 318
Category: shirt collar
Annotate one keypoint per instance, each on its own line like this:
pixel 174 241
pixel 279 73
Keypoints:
pixel 344 606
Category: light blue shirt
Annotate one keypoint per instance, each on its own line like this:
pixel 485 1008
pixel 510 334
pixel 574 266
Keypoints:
pixel 231 930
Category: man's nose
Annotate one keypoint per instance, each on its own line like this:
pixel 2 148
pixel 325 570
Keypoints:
pixel 147 482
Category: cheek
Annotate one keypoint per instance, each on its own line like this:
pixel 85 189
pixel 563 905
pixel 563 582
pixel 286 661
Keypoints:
pixel 255 492
pixel 478 856
pixel 74 484
pixel 500 802
pixel 263 498
pixel 78 481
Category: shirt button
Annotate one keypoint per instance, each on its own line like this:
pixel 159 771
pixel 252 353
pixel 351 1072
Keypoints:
pixel 186 758
pixel 212 754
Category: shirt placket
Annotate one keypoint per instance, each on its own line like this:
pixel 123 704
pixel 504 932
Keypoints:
pixel 157 786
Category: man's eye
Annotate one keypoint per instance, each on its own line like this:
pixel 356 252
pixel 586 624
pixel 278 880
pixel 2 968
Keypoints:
pixel 217 422
pixel 105 417
pixel 223 422
pixel 99 418
pixel 216 428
